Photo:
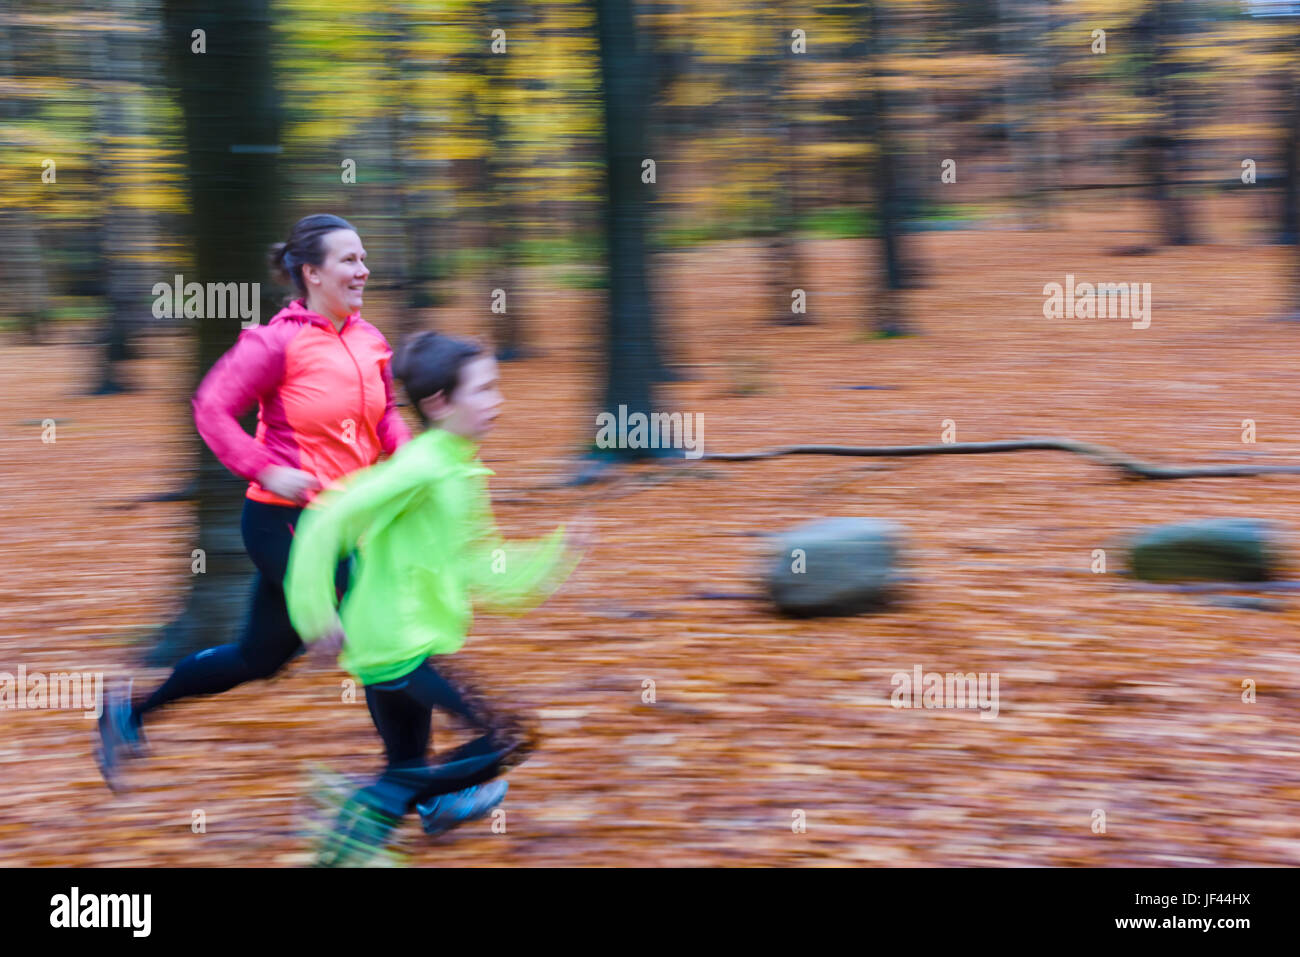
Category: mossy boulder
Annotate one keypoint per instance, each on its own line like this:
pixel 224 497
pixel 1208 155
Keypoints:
pixel 836 566
pixel 1220 549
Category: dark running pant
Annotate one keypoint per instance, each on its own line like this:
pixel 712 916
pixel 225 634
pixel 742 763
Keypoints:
pixel 402 710
pixel 268 640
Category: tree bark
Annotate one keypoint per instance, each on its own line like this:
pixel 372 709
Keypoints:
pixel 1162 150
pixel 232 139
pixel 419 178
pixel 783 244
pixel 501 184
pixel 22 268
pixel 631 353
pixel 894 274
pixel 126 227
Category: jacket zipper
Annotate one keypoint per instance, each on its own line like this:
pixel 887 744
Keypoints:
pixel 361 380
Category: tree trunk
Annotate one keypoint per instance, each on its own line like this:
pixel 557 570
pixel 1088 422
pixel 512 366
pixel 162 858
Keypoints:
pixel 1291 228
pixel 1021 102
pixel 631 354
pixel 419 177
pixel 783 248
pixel 229 100
pixel 396 219
pixel 1291 150
pixel 506 229
pixel 1163 149
pixel 22 269
pixel 889 319
pixel 126 227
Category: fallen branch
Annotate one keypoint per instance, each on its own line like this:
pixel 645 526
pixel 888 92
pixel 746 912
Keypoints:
pixel 1097 453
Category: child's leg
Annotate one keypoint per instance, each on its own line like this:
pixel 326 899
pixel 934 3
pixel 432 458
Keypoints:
pixel 505 731
pixel 402 713
pixel 404 723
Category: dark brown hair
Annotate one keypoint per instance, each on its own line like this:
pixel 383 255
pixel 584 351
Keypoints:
pixel 306 245
pixel 428 363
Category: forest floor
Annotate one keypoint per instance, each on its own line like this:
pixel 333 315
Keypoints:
pixel 1113 697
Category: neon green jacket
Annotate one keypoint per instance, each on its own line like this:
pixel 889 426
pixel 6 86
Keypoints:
pixel 426 544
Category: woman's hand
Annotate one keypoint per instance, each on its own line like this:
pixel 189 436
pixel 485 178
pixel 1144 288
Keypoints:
pixel 293 484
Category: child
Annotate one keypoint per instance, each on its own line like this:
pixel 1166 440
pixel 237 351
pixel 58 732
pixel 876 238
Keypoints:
pixel 425 541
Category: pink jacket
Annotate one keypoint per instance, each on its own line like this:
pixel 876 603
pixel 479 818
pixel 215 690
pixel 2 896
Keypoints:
pixel 325 399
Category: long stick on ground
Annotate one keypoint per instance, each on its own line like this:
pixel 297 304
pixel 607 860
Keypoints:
pixel 1097 453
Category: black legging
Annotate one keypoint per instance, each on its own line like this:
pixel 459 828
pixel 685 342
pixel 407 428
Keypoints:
pixel 403 713
pixel 268 641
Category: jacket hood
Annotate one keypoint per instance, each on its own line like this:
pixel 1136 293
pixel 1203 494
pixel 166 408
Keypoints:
pixel 298 310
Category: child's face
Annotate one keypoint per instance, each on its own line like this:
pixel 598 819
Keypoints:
pixel 474 405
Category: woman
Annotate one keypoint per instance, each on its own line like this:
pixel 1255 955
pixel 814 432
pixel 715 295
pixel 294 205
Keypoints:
pixel 319 374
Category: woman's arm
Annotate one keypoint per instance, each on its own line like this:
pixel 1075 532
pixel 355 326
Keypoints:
pixel 251 370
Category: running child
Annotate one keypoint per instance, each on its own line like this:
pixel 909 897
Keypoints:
pixel 425 545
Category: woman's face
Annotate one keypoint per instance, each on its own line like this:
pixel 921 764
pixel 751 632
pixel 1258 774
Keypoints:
pixel 334 287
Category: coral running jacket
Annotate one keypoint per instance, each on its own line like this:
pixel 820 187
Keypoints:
pixel 325 399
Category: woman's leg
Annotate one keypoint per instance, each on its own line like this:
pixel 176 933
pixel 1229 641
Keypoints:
pixel 268 641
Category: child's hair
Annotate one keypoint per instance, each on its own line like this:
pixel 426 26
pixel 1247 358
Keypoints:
pixel 428 363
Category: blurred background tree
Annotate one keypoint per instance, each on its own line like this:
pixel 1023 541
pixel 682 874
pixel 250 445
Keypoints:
pixel 231 108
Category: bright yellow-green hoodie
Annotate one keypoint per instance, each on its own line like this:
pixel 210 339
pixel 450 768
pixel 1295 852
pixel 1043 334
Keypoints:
pixel 426 544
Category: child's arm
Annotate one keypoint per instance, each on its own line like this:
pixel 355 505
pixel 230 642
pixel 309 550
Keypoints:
pixel 515 576
pixel 329 530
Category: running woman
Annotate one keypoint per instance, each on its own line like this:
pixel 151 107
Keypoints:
pixel 426 543
pixel 320 377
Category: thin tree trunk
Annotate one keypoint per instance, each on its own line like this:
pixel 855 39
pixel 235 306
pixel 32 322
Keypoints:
pixel 397 225
pixel 501 184
pixel 1291 149
pixel 126 227
pixel 1291 187
pixel 1046 87
pixel 1163 149
pixel 419 176
pixel 22 268
pixel 1019 113
pixel 889 318
pixel 631 355
pixel 783 247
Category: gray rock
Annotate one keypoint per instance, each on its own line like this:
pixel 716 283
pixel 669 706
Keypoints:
pixel 835 566
pixel 1220 549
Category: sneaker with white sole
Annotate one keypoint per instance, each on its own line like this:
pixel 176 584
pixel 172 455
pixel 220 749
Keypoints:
pixel 445 811
pixel 119 737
